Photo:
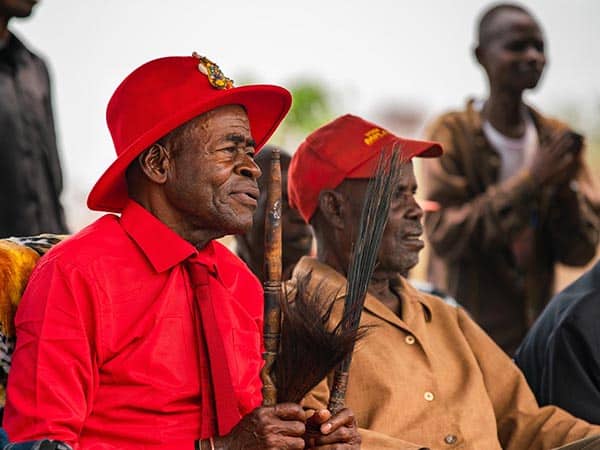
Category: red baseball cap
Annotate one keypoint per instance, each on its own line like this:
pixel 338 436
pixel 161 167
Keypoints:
pixel 348 147
pixel 163 94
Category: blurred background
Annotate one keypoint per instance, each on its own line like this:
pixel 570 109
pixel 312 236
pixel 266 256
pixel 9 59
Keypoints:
pixel 395 62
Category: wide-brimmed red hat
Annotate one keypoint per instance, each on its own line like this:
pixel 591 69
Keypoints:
pixel 348 147
pixel 163 94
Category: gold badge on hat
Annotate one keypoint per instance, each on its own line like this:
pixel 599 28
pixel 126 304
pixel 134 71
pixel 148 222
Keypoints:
pixel 214 74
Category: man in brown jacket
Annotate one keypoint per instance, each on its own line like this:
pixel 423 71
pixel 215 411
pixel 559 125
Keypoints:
pixel 511 196
pixel 425 375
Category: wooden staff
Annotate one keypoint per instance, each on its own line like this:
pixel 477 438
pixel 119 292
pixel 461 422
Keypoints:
pixel 272 283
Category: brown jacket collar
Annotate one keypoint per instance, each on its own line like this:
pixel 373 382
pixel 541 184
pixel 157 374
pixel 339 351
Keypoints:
pixel 333 286
pixel 542 124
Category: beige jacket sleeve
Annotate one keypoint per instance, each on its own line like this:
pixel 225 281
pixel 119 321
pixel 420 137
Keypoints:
pixel 371 440
pixel 522 424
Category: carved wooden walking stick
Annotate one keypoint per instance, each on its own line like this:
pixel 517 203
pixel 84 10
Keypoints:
pixel 272 283
pixel 299 349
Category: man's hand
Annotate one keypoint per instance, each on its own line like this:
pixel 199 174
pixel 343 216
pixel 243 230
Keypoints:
pixel 332 433
pixel 559 161
pixel 278 427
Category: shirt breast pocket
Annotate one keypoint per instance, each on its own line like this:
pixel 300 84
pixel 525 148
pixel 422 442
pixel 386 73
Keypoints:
pixel 164 353
pixel 246 364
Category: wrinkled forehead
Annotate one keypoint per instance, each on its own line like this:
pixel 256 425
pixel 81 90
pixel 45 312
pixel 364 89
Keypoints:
pixel 225 123
pixel 215 115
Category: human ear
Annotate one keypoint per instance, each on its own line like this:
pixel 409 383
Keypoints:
pixel 154 163
pixel 333 207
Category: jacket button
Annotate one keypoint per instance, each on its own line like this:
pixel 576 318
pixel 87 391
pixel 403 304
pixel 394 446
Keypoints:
pixel 410 340
pixel 450 439
pixel 428 396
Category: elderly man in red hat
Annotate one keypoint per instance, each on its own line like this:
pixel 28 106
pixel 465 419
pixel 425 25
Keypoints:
pixel 141 331
pixel 425 375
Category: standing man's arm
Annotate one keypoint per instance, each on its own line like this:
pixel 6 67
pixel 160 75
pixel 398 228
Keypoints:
pixel 467 221
pixel 575 218
pixel 464 221
pixel 51 151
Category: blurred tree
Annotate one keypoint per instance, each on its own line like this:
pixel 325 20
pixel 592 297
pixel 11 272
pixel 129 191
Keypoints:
pixel 311 108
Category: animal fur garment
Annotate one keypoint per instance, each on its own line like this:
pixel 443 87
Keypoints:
pixel 16 263
pixel 18 257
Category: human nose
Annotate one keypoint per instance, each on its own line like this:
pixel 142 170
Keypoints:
pixel 534 55
pixel 248 168
pixel 414 210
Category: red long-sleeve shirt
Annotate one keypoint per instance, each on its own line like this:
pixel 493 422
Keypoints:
pixel 107 352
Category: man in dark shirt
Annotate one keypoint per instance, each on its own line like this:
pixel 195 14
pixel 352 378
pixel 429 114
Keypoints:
pixel 560 355
pixel 30 172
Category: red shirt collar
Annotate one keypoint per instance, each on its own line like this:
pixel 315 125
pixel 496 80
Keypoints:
pixel 162 246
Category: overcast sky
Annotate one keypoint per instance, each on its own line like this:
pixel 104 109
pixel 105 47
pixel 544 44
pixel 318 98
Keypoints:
pixel 369 53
